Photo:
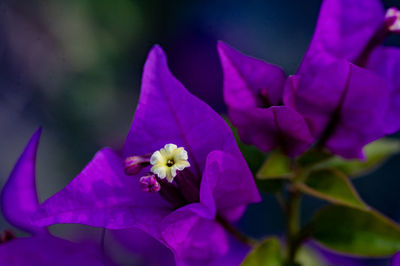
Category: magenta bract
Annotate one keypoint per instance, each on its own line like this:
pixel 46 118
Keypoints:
pixel 103 195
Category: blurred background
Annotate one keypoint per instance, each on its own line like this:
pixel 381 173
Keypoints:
pixel 74 68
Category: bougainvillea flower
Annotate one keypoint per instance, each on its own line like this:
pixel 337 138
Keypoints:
pixel 253 92
pixel 344 106
pixel 343 102
pixel 355 30
pixel 18 202
pixel 200 180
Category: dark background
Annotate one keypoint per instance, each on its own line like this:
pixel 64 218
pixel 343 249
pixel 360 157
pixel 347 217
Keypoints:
pixel 74 68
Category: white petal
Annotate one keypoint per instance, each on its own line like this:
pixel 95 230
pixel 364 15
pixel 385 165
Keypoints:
pixel 170 148
pixel 156 157
pixel 391 12
pixel 158 170
pixel 170 176
pixel 181 165
pixel 173 171
pixel 164 153
pixel 180 154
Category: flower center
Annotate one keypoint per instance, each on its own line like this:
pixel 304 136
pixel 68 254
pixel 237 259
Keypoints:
pixel 168 160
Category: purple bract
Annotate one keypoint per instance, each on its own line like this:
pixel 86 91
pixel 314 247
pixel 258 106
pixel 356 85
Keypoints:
pixel 19 202
pixel 334 100
pixel 185 214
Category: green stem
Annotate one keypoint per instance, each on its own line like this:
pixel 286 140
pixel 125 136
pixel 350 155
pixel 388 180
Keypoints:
pixel 281 202
pixel 292 225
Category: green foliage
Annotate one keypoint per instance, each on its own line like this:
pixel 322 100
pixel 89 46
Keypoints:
pixel 271 186
pixel 313 157
pixel 273 172
pixel 277 165
pixel 349 226
pixel 268 252
pixel 333 186
pixel 309 257
pixel 376 153
pixel 355 232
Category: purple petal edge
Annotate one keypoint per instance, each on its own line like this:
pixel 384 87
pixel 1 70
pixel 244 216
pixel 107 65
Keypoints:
pixel 19 198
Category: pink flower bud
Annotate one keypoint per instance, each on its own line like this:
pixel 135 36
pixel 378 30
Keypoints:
pixel 133 164
pixel 149 183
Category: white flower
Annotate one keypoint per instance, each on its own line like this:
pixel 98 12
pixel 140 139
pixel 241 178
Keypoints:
pixel 168 160
pixel 394 12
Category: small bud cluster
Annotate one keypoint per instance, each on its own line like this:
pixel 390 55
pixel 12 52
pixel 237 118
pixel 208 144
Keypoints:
pixel 149 183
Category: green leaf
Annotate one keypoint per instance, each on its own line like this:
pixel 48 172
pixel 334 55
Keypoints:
pixel 333 186
pixel 309 257
pixel 355 232
pixel 376 153
pixel 313 157
pixel 277 165
pixel 272 186
pixel 268 252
